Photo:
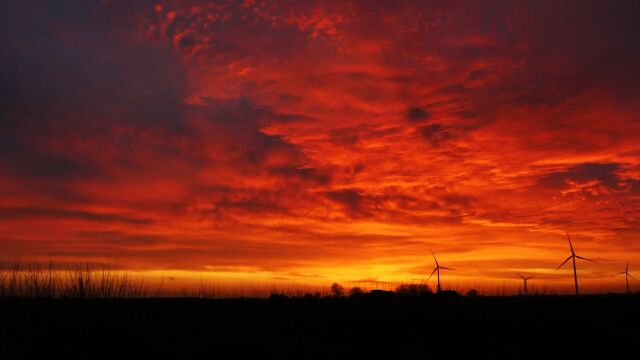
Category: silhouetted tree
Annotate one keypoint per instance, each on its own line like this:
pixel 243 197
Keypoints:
pixel 472 292
pixel 337 290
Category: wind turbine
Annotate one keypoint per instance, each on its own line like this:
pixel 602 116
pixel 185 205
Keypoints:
pixel 573 257
pixel 437 270
pixel 626 276
pixel 526 292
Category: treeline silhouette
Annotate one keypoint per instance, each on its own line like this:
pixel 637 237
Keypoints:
pixel 84 281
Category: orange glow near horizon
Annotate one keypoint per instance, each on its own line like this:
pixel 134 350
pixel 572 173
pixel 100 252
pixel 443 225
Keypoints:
pixel 301 143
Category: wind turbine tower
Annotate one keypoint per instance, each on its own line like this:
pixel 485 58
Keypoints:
pixel 626 276
pixel 526 291
pixel 573 257
pixel 437 270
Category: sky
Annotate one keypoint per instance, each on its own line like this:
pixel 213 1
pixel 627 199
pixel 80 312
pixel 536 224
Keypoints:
pixel 307 142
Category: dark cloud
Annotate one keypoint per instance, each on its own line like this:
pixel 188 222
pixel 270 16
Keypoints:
pixel 456 200
pixel 350 199
pixel 435 133
pixel 18 158
pixel 289 98
pixel 119 238
pixel 417 114
pixel 237 125
pixel 70 59
pixel 309 176
pixel 346 136
pixel 253 204
pixel 68 75
pixel 604 173
pixel 40 213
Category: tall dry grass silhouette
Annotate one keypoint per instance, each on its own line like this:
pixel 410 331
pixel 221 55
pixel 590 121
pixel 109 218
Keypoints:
pixel 78 282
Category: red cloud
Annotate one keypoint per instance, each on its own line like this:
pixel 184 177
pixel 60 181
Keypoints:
pixel 328 138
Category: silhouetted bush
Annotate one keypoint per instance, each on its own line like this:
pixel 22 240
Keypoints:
pixel 472 292
pixel 277 297
pixel 380 294
pixel 448 293
pixel 413 290
pixel 356 292
pixel 312 296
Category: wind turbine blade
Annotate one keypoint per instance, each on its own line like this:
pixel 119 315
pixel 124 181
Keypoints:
pixel 631 276
pixel 522 277
pixel 434 258
pixel 564 262
pixel 580 257
pixel 621 273
pixel 433 272
pixel 627 268
pixel 446 268
pixel 570 245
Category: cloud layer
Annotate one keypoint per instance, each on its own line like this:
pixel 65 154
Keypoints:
pixel 321 140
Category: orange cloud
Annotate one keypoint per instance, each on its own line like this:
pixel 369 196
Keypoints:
pixel 313 142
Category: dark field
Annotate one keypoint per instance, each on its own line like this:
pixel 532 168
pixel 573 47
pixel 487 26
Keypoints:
pixel 389 326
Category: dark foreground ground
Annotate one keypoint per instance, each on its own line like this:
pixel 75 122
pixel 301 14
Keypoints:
pixel 397 328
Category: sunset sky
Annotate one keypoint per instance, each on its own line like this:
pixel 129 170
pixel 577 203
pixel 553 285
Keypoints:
pixel 315 141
